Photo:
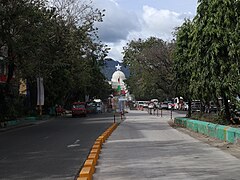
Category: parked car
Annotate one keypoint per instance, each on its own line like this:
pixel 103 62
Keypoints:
pixel 164 105
pixel 90 107
pixel 158 105
pixel 196 106
pixel 151 105
pixel 79 109
pixel 60 110
pixel 235 116
pixel 155 102
pixel 145 104
pixel 171 105
pixel 178 103
pixel 211 108
pixel 142 104
pixel 185 106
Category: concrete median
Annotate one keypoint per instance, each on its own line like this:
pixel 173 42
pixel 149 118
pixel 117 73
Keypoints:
pixel 88 168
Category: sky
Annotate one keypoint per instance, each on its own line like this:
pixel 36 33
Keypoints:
pixel 127 20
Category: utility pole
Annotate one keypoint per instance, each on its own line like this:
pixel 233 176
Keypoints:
pixel 40 97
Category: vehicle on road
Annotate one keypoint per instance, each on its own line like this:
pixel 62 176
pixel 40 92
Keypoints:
pixel 151 105
pixel 60 110
pixel 99 105
pixel 145 104
pixel 90 107
pixel 211 107
pixel 171 105
pixel 156 103
pixel 79 109
pixel 164 105
pixel 185 106
pixel 196 106
pixel 142 104
pixel 178 103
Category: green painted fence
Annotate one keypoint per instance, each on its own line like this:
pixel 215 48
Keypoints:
pixel 224 133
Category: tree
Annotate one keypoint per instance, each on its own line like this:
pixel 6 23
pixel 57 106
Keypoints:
pixel 42 42
pixel 216 67
pixel 183 61
pixel 150 68
pixel 82 53
pixel 17 18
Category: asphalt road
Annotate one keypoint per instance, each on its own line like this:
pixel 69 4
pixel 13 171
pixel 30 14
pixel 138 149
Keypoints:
pixel 55 149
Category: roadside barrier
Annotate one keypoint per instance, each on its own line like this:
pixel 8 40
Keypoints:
pixel 224 133
pixel 88 168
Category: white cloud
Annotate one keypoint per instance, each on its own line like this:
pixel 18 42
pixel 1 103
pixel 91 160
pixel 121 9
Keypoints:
pixel 116 50
pixel 117 23
pixel 121 25
pixel 158 23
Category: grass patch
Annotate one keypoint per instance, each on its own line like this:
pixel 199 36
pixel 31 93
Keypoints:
pixel 210 117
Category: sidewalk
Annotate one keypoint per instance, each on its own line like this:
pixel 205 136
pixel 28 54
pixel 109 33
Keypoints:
pixel 145 147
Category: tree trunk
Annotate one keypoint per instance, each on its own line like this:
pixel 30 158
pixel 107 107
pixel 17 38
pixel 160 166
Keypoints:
pixel 11 65
pixel 226 107
pixel 189 114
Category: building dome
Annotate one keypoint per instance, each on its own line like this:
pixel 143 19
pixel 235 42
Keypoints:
pixel 118 76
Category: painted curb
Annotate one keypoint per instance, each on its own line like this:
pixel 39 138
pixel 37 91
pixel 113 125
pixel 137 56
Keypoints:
pixel 224 133
pixel 88 168
pixel 22 121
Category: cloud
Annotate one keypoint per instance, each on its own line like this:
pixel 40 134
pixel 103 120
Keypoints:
pixel 117 23
pixel 159 23
pixel 120 25
pixel 116 50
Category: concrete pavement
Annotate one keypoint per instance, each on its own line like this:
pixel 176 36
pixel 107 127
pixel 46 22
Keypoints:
pixel 146 147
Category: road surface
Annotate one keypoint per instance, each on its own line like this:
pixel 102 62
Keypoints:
pixel 55 149
pixel 145 147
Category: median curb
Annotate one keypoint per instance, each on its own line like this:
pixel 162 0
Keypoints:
pixel 224 133
pixel 22 122
pixel 88 168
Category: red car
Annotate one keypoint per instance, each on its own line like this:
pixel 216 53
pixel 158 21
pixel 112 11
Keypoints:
pixel 79 109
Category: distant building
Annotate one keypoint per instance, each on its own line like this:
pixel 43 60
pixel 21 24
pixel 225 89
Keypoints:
pixel 109 68
pixel 117 81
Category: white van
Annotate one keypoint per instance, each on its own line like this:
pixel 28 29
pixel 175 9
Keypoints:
pixel 99 105
pixel 156 103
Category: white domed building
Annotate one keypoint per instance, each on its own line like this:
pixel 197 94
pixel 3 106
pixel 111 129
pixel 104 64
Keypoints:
pixel 117 80
pixel 121 94
pixel 118 76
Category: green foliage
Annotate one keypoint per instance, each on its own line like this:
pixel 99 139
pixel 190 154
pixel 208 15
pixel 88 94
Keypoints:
pixel 183 59
pixel 150 66
pixel 208 49
pixel 43 42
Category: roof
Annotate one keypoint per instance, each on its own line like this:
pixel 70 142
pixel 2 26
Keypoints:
pixel 118 76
